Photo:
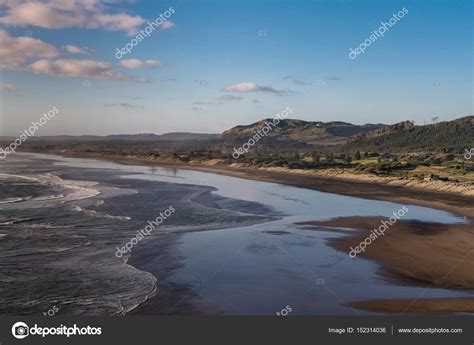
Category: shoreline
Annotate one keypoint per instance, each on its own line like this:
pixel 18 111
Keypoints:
pixel 430 255
pixel 461 205
pixel 436 249
pixel 80 202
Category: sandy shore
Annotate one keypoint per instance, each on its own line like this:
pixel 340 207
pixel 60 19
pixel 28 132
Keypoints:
pixel 427 254
pixel 461 188
pixel 418 306
pixel 459 204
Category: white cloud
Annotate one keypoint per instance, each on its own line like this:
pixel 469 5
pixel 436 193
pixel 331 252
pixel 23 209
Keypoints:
pixel 117 22
pixel 33 55
pixel 136 63
pixel 90 69
pixel 58 14
pixel 168 24
pixel 241 87
pixel 15 51
pixel 252 87
pixel 77 50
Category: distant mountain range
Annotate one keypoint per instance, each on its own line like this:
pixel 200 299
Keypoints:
pixel 292 133
pixel 173 136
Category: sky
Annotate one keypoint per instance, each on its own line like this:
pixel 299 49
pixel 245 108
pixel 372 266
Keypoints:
pixel 210 65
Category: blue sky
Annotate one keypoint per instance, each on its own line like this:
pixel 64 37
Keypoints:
pixel 290 53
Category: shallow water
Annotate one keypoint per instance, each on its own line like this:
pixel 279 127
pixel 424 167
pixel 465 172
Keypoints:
pixel 246 269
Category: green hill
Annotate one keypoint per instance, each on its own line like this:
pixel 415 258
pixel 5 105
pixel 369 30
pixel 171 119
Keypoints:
pixel 451 135
pixel 299 131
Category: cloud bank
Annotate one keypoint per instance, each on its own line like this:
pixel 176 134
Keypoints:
pixel 54 14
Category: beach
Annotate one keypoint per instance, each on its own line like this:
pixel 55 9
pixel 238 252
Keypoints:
pixel 271 230
pixel 438 255
pixel 436 196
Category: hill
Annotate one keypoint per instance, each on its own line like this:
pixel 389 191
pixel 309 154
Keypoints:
pixel 405 136
pixel 299 131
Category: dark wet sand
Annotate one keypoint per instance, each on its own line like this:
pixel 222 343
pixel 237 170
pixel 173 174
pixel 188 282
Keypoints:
pixel 418 306
pixel 431 254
